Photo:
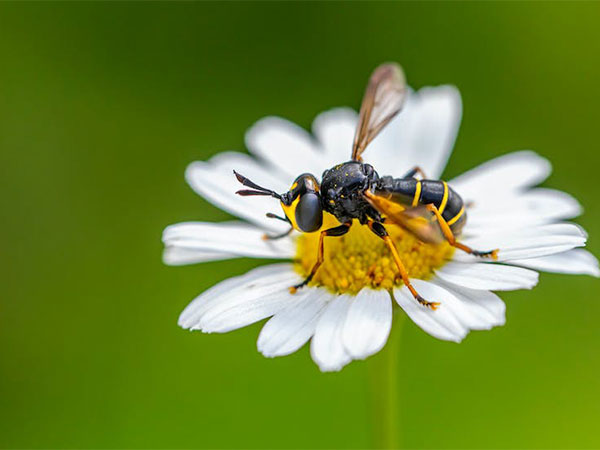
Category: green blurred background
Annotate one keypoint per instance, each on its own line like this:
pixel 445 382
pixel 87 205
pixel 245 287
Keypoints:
pixel 102 106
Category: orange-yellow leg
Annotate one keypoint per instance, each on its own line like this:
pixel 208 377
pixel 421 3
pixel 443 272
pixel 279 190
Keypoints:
pixel 336 231
pixel 380 231
pixel 493 254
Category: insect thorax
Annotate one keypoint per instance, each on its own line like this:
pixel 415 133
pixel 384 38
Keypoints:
pixel 342 189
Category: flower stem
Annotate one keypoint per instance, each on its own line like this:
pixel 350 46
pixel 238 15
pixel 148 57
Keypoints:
pixel 384 390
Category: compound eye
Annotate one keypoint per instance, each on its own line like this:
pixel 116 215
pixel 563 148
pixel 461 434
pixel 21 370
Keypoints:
pixel 309 214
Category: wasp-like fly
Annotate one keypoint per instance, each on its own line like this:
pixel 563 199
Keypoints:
pixel 429 209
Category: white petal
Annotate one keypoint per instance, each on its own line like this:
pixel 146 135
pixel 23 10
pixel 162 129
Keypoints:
pixel 553 229
pixel 335 131
pixel 176 256
pixel 422 134
pixel 231 287
pixel 234 238
pixel 520 210
pixel 291 328
pixel 327 347
pixel 577 261
pixel 543 200
pixel 488 276
pixel 248 307
pixel 441 323
pixel 368 323
pixel 286 146
pixel 528 242
pixel 216 183
pixel 478 310
pixel 514 171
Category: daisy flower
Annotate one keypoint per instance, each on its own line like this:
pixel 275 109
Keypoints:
pixel 346 310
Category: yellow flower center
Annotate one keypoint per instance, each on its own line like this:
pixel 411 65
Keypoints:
pixel 361 259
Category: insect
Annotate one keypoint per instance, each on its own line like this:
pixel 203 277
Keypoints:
pixel 353 191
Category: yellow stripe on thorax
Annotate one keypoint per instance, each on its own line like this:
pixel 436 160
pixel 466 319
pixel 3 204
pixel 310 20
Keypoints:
pixel 444 199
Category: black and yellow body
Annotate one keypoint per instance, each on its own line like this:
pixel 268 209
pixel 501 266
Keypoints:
pixel 412 192
pixel 344 186
pixel 353 191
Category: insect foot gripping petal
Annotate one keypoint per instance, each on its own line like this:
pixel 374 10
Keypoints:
pixel 294 289
pixel 431 305
pixel 406 280
pixel 492 254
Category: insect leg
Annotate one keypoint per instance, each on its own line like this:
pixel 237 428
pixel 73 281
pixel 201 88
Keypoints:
pixel 380 231
pixel 268 237
pixel 493 254
pixel 415 170
pixel 336 231
pixel 275 216
pixel 273 237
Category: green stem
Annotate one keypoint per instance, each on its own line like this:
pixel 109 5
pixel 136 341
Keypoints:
pixel 384 390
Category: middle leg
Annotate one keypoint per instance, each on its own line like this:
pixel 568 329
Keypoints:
pixel 380 231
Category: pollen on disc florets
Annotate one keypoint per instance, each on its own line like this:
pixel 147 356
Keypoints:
pixel 361 259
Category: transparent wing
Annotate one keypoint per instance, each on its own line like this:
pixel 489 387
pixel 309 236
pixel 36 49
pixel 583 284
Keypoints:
pixel 417 220
pixel 383 99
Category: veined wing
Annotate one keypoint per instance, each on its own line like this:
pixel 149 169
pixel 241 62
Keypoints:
pixel 417 220
pixel 383 99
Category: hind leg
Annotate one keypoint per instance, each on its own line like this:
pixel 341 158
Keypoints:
pixel 493 254
pixel 415 170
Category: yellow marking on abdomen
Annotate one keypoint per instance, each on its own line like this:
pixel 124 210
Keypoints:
pixel 415 201
pixel 444 198
pixel 456 217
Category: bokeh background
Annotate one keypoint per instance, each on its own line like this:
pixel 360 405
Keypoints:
pixel 102 106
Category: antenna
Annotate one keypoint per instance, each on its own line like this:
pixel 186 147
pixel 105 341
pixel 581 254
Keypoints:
pixel 256 189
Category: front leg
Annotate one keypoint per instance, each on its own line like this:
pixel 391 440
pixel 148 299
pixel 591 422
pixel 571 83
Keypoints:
pixel 272 237
pixel 269 237
pixel 336 231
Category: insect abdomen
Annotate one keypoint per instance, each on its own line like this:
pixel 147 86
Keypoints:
pixel 412 192
pixel 448 202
